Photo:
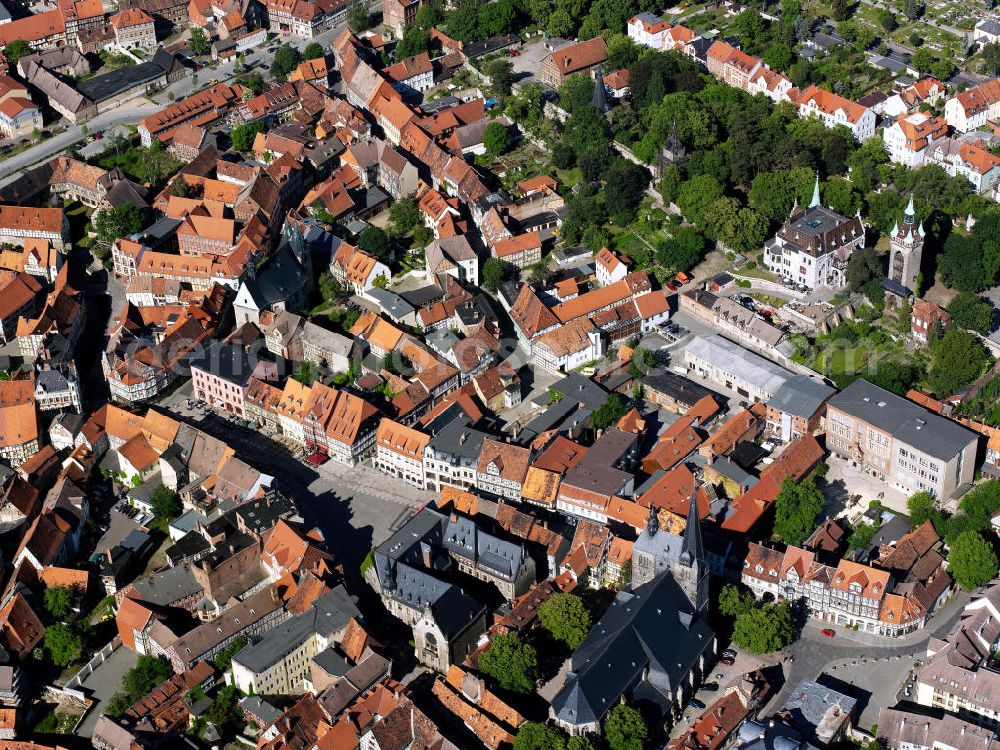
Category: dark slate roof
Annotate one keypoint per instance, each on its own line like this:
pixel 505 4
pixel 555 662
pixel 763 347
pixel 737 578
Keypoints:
pixel 159 231
pixel 677 387
pixel 487 46
pixel 110 85
pixel 458 438
pixel 190 545
pixel 226 361
pixel 890 285
pixel 168 586
pixel 126 191
pixel 328 615
pixel 801 396
pixel 463 537
pixel 401 562
pixel 653 627
pixel 581 396
pixel 904 420
pixel 393 304
pixel 280 278
pixel 260 708
pixel 423 295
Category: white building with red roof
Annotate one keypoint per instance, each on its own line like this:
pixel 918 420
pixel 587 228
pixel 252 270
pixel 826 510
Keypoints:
pixel 832 110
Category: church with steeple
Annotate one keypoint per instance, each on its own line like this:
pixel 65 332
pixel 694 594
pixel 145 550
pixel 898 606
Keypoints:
pixel 814 245
pixel 654 645
pixel 683 556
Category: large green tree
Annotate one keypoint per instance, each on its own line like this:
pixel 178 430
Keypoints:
pixel 286 59
pixel 697 196
pixel 496 272
pixel 681 251
pixel 358 17
pixel 374 241
pixel 198 43
pixel 242 136
pixel 957 358
pixel 59 601
pixel 972 312
pixel 864 267
pixel 496 18
pixel 796 510
pixel 764 628
pixel 496 139
pixel 625 729
pixel 614 408
pixel 463 22
pixel 501 73
pixel 15 51
pixel 165 502
pixel 415 40
pixel 532 735
pixel 405 215
pixel 511 662
pixel 64 644
pixel 566 619
pixel 120 221
pixel 922 507
pixel 972 561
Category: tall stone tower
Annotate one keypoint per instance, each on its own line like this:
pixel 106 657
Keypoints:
pixel 690 569
pixel 906 247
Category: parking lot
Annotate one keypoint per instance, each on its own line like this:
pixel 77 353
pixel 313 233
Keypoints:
pixel 529 61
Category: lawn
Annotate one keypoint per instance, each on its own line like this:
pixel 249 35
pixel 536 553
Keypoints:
pixel 756 272
pixel 142 165
pixel 567 178
pixel 769 300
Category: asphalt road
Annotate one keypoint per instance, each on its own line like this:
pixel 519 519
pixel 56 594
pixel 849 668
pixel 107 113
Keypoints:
pixel 130 114
pixel 851 657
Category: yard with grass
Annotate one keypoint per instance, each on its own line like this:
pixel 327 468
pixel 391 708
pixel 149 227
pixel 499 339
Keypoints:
pixel 769 300
pixel 868 347
pixel 151 165
pixel 756 272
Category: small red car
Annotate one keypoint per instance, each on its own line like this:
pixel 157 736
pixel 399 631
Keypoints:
pixel 514 52
pixel 828 633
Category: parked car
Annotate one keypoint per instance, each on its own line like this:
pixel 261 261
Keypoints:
pixel 710 687
pixel 695 703
pixel 828 632
pixel 730 652
pixel 727 660
pixel 672 286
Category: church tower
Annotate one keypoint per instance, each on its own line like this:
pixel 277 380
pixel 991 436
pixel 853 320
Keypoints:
pixel 906 246
pixel 690 570
pixel 599 100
